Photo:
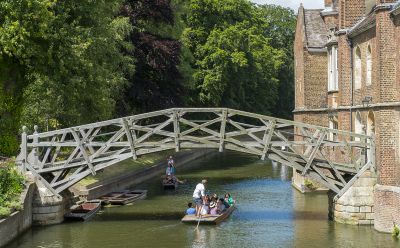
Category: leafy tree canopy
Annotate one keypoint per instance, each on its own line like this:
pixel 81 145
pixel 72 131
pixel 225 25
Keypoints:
pixel 236 64
pixel 71 56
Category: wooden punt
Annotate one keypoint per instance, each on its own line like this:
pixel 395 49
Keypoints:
pixel 83 211
pixel 105 199
pixel 169 184
pixel 128 197
pixel 209 219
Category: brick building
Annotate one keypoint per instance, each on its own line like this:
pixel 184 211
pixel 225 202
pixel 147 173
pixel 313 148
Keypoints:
pixel 347 67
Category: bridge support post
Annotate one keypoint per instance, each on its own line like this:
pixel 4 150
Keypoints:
pixel 356 205
pixel 222 131
pixel 176 131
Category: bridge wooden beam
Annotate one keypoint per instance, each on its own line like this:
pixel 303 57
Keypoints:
pixel 267 139
pixel 128 134
pixel 314 152
pixel 177 130
pixel 222 130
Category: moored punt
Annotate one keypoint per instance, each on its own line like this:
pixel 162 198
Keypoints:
pixel 83 211
pixel 208 218
pixel 105 199
pixel 128 197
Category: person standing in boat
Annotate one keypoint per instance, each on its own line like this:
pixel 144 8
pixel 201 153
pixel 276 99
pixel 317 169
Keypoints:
pixel 199 195
pixel 170 172
pixel 170 161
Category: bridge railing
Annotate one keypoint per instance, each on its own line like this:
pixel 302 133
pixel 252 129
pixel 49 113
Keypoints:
pixel 61 158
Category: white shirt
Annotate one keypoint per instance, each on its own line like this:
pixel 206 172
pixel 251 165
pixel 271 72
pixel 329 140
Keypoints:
pixel 204 210
pixel 199 191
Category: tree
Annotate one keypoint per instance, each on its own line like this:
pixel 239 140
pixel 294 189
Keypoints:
pixel 157 82
pixel 281 25
pixel 68 57
pixel 236 66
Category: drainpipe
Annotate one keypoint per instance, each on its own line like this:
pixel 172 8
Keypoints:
pixel 350 42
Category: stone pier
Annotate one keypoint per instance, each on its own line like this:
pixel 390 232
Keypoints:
pixel 356 206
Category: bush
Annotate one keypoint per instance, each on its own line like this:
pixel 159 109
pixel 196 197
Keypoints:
pixel 309 184
pixel 4 212
pixel 396 232
pixel 11 186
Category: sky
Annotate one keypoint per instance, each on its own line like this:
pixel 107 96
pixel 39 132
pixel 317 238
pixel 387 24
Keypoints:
pixel 294 4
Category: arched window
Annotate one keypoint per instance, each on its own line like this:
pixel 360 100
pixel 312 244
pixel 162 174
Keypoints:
pixel 369 66
pixel 357 69
pixel 358 126
pixel 370 130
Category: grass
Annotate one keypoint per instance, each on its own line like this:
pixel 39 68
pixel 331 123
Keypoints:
pixel 126 166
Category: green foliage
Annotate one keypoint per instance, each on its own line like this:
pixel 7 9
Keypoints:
pixel 64 63
pixel 236 62
pixel 11 185
pixel 309 184
pixel 280 28
pixel 396 231
pixel 72 57
pixel 4 212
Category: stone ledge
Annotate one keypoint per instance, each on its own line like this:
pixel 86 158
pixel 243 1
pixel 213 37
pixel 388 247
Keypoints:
pixel 16 224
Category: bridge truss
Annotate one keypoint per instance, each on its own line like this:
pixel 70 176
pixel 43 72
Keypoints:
pixel 61 158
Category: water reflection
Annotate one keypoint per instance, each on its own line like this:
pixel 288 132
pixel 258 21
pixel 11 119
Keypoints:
pixel 284 173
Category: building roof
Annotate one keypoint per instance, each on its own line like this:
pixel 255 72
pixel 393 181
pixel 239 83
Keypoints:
pixel 396 8
pixel 315 30
pixel 363 25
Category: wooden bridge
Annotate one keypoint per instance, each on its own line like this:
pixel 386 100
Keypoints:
pixel 61 158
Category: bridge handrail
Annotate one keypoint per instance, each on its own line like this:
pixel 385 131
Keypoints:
pixel 194 110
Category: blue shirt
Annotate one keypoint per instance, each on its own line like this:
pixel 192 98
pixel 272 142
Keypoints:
pixel 170 171
pixel 191 211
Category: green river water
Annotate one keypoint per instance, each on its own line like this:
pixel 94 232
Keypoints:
pixel 270 213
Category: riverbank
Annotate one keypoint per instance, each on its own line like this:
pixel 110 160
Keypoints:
pixel 20 221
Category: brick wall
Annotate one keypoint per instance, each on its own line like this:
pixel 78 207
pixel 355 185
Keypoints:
pixel 387 207
pixel 344 69
pixel 350 11
pixel 386 57
pixel 362 41
pixel 299 60
pixel 315 79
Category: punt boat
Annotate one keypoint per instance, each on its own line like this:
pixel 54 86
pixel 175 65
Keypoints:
pixel 128 197
pixel 170 184
pixel 208 218
pixel 83 211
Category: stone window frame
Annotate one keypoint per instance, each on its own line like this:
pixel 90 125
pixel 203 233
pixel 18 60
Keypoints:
pixel 333 72
pixel 358 125
pixel 333 124
pixel 369 65
pixel 357 68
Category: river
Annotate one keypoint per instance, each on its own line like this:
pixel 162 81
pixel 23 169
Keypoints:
pixel 270 213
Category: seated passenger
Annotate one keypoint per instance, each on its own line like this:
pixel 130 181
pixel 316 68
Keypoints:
pixel 225 203
pixel 220 206
pixel 215 196
pixel 229 199
pixel 191 209
pixel 213 208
